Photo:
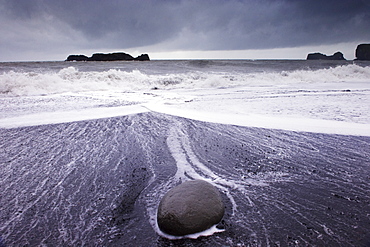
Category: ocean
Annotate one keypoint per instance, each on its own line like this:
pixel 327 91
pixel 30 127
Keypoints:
pixel 88 149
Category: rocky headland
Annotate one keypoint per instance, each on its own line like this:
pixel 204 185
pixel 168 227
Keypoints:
pixel 117 56
pixel 363 52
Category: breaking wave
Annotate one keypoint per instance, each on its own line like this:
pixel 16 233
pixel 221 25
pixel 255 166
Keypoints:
pixel 72 80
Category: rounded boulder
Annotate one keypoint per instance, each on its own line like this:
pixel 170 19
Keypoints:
pixel 191 207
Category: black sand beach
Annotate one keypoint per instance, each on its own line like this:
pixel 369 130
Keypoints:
pixel 99 182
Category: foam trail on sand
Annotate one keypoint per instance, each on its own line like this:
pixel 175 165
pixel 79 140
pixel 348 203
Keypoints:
pixel 204 233
pixel 189 167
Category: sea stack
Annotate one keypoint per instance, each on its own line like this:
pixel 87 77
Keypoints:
pixel 191 207
pixel 142 57
pixel 319 56
pixel 77 58
pixel 116 56
pixel 363 52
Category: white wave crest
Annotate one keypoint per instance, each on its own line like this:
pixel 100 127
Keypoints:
pixel 72 80
pixel 67 80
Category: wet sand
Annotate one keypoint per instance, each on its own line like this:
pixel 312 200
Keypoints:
pixel 99 182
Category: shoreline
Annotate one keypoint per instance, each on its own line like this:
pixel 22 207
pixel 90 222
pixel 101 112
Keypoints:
pixel 302 124
pixel 100 181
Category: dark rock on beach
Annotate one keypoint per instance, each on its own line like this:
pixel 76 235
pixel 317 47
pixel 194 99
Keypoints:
pixel 363 52
pixel 117 56
pixel 320 56
pixel 191 207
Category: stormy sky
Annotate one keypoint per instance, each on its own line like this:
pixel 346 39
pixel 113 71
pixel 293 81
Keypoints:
pixel 52 29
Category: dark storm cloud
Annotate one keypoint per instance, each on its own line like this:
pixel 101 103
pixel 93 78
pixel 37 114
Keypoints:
pixel 183 25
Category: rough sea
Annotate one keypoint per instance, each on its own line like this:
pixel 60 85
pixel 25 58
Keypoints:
pixel 88 149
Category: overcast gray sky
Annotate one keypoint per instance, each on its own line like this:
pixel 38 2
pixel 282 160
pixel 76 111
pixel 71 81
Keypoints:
pixel 53 29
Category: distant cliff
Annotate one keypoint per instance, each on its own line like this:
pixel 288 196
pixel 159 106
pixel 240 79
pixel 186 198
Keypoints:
pixel 363 52
pixel 320 56
pixel 117 56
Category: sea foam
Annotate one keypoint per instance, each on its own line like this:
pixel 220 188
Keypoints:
pixel 70 79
